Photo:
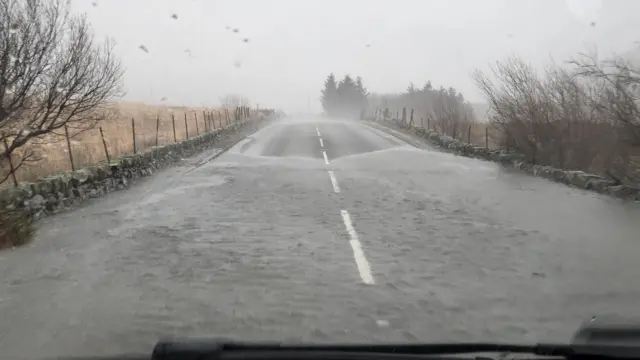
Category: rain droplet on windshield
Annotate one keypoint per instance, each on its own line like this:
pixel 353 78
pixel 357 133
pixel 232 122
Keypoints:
pixel 94 4
pixel 143 48
pixel 174 16
pixel 236 30
pixel 593 23
pixel 163 99
pixel 9 89
pixel 245 40
pixel 13 28
pixel 237 64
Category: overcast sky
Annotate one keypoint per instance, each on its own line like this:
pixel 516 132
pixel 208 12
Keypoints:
pixel 294 44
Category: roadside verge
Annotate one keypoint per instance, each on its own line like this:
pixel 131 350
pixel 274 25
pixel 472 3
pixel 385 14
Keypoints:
pixel 67 190
pixel 418 136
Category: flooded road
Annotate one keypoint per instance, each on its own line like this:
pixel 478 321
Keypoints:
pixel 316 230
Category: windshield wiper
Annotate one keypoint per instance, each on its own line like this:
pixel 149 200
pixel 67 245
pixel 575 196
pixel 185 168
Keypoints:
pixel 412 349
pixel 238 350
pixel 598 338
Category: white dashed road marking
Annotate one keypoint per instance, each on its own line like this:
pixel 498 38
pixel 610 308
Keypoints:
pixel 334 182
pixel 361 260
pixel 358 254
pixel 326 160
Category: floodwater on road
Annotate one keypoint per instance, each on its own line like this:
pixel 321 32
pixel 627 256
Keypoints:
pixel 318 230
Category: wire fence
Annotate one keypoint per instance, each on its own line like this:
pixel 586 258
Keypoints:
pixel 117 138
pixel 471 132
pixel 565 144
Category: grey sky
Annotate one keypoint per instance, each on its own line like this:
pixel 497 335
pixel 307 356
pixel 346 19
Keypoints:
pixel 294 44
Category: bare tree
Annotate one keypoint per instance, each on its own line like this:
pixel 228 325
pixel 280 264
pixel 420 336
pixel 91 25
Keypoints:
pixel 52 74
pixel 582 116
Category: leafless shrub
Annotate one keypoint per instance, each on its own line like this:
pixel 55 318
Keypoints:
pixel 444 110
pixel 52 75
pixel 16 227
pixel 452 116
pixel 581 116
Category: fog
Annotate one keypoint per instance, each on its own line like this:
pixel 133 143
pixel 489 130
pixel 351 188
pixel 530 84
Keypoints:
pixel 195 57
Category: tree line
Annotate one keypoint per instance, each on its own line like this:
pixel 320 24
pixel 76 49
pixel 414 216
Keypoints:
pixel 344 98
pixel 580 115
pixel 444 109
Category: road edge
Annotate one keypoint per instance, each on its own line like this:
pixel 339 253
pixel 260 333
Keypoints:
pixel 508 159
pixel 69 190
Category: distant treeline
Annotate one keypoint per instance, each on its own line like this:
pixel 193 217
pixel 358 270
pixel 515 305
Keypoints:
pixel 344 98
pixel 444 108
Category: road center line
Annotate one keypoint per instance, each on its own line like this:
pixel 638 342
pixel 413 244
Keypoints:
pixel 326 160
pixel 358 254
pixel 321 143
pixel 334 181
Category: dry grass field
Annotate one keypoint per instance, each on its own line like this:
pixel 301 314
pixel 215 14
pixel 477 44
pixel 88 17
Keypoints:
pixel 87 148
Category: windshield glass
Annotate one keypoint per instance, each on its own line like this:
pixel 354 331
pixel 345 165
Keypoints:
pixel 321 171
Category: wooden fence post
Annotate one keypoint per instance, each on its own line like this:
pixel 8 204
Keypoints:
pixel 486 137
pixel 197 128
pixel 207 127
pixel 173 121
pixel 66 135
pixel 157 127
pixel 133 129
pixel 186 128
pixel 104 143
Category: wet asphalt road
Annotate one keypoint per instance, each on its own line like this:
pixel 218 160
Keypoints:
pixel 417 245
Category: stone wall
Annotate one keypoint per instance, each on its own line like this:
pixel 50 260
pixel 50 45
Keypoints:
pixel 573 178
pixel 65 190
